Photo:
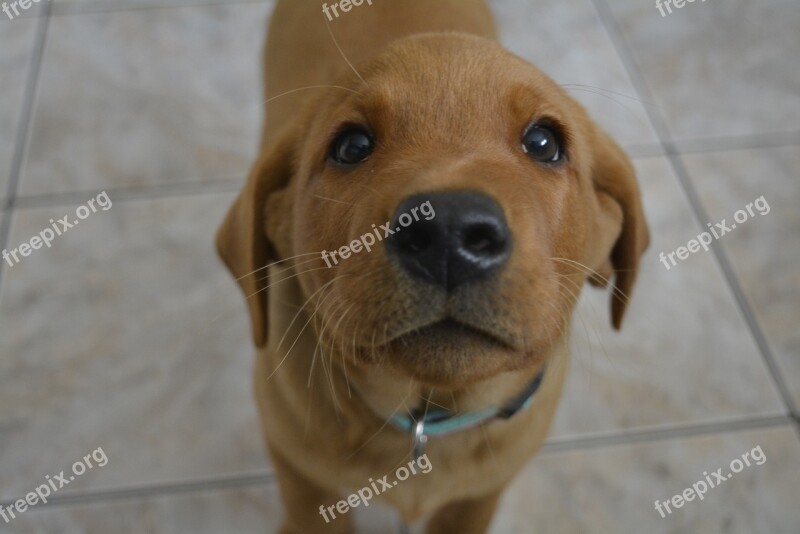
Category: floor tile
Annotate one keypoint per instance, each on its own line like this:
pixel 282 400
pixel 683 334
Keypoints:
pixel 129 335
pixel 583 57
pixel 684 354
pixel 254 510
pixel 765 249
pixel 718 69
pixel 17 41
pixel 615 489
pixel 147 97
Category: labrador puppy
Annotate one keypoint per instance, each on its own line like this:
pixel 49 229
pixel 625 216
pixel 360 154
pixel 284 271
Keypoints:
pixel 490 198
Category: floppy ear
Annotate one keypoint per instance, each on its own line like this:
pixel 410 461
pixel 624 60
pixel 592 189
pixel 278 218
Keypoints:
pixel 620 221
pixel 241 240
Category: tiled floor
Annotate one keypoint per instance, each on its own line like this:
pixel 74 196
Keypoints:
pixel 128 335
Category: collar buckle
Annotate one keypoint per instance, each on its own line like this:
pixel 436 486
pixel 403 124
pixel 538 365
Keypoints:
pixel 419 439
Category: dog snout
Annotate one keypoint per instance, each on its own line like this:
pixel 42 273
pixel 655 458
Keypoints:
pixel 467 239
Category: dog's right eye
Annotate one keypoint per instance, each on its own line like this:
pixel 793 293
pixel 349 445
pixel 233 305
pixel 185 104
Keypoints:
pixel 542 144
pixel 351 147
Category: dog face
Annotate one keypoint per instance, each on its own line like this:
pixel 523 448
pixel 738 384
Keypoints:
pixel 501 198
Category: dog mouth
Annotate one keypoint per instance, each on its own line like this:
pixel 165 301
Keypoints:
pixel 450 332
pixel 451 352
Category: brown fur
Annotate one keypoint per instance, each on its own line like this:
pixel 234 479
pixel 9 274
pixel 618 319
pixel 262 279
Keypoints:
pixel 448 106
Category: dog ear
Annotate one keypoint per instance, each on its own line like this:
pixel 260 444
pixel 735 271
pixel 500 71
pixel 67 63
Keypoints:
pixel 242 241
pixel 620 221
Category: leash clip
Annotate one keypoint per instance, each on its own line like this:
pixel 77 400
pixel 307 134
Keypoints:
pixel 419 440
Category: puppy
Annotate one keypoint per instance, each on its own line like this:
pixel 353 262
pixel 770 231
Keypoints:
pixel 460 308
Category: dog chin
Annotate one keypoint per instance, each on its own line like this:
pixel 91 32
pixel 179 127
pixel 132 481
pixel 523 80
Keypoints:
pixel 451 354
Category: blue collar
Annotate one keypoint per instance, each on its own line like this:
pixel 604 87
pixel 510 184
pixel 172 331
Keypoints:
pixel 422 424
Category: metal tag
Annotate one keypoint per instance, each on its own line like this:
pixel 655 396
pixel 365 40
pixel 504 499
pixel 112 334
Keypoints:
pixel 419 440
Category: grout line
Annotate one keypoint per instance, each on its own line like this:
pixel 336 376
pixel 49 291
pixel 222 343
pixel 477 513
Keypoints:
pixel 558 445
pixel 796 420
pixel 225 185
pixel 160 490
pixel 24 129
pixel 741 142
pixel 643 150
pixel 130 193
pixel 655 435
pixel 704 145
pixel 679 167
pixel 642 436
pixel 228 185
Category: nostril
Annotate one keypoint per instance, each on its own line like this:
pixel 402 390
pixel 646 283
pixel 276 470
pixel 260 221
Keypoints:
pixel 484 240
pixel 415 239
pixel 419 241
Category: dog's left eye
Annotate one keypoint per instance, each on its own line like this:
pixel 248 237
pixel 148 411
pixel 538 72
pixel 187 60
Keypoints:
pixel 543 144
pixel 351 147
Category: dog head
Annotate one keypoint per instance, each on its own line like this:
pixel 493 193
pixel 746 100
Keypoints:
pixel 501 198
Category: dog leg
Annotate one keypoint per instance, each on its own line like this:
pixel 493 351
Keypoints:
pixel 302 499
pixel 471 516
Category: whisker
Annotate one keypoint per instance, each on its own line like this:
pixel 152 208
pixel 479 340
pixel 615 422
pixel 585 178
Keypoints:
pixel 313 362
pixel 384 425
pixel 287 269
pixel 310 401
pixel 617 292
pixel 283 280
pixel 296 315
pixel 372 189
pixel 299 334
pixel 330 384
pixel 276 263
pixel 623 95
pixel 335 200
pixel 339 48
pixel 620 104
pixel 267 101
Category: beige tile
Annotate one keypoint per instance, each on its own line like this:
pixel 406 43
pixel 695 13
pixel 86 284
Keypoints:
pixel 764 250
pixel 684 354
pixel 129 335
pixel 17 40
pixel 254 510
pixel 719 69
pixel 147 97
pixel 615 489
pixel 583 56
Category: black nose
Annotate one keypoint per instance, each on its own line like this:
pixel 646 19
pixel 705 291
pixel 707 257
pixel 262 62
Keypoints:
pixel 453 238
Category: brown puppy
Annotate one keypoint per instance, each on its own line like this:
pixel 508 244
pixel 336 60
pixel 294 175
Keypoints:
pixel 385 108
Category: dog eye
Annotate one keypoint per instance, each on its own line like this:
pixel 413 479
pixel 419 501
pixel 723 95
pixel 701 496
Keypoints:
pixel 542 144
pixel 351 147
